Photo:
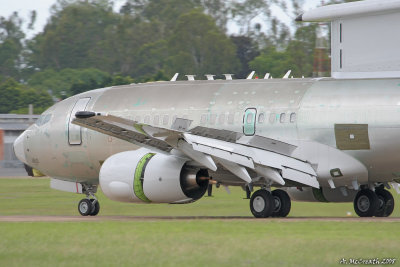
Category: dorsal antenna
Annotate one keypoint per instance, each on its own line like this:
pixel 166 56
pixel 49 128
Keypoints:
pixel 190 77
pixel 210 77
pixel 173 79
pixel 287 74
pixel 250 75
pixel 228 76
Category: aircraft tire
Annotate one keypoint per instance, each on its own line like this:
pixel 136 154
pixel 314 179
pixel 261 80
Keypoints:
pixel 262 204
pixel 366 203
pixel 386 200
pixel 85 207
pixel 282 203
pixel 95 209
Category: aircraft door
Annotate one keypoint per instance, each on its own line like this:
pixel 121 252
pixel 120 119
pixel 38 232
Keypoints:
pixel 249 121
pixel 74 131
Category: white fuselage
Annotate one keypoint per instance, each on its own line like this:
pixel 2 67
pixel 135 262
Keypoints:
pixel 290 110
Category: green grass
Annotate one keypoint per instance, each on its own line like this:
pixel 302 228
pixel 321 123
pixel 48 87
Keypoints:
pixel 34 197
pixel 181 242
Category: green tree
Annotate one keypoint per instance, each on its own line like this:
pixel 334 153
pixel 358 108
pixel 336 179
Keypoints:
pixel 301 50
pixel 199 47
pixel 122 47
pixel 60 83
pixel 73 30
pixel 15 98
pixel 272 61
pixel 11 38
pixel 10 92
pixel 246 50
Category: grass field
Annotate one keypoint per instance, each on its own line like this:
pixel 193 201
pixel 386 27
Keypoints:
pixel 195 242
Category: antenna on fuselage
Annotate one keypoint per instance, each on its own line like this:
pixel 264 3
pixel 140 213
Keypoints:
pixel 228 76
pixel 173 79
pixel 287 74
pixel 190 77
pixel 210 77
pixel 250 75
pixel 266 76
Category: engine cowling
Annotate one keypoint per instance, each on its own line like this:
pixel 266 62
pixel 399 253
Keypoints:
pixel 308 194
pixel 143 176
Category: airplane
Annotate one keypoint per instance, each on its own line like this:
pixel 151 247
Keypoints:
pixel 313 139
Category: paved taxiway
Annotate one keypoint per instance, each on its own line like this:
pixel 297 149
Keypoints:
pixel 21 218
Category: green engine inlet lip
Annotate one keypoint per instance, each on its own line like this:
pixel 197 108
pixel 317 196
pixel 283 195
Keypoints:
pixel 139 174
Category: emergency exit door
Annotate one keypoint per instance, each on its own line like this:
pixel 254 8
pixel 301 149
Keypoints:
pixel 74 131
pixel 249 121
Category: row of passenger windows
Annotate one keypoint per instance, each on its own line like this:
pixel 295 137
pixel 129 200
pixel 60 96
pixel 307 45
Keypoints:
pixel 157 119
pixel 221 118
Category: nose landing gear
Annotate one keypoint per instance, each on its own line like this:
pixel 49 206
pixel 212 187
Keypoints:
pixel 89 206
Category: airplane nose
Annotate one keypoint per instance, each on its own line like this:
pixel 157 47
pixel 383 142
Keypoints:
pixel 19 147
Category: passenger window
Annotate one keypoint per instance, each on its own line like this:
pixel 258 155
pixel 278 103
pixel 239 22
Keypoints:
pixel 165 120
pixel 283 118
pixel 293 118
pixel 147 119
pixel 261 118
pixel 213 118
pixel 203 119
pixel 221 119
pixel 231 118
pixel 156 119
pixel 272 117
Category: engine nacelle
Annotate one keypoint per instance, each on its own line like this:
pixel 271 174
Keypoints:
pixel 143 176
pixel 308 194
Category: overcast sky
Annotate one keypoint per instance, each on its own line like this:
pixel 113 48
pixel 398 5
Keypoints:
pixel 42 8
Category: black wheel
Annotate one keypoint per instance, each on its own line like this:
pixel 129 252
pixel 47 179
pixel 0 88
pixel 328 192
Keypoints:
pixel 282 203
pixel 85 207
pixel 95 208
pixel 366 203
pixel 262 204
pixel 386 203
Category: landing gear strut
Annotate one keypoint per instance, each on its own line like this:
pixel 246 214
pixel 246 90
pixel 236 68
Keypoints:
pixel 264 204
pixel 89 205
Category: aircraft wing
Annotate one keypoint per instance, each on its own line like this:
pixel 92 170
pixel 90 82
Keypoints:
pixel 268 158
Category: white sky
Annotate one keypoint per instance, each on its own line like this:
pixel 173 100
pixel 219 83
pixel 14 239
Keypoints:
pixel 42 8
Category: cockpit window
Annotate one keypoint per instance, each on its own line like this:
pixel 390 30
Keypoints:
pixel 43 119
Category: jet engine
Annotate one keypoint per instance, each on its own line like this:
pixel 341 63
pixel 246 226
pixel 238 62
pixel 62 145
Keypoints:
pixel 308 194
pixel 143 176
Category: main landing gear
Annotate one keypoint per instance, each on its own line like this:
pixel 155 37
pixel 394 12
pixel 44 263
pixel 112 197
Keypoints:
pixel 264 204
pixel 368 203
pixel 89 206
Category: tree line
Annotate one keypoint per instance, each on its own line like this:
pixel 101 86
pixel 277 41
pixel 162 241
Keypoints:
pixel 86 44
